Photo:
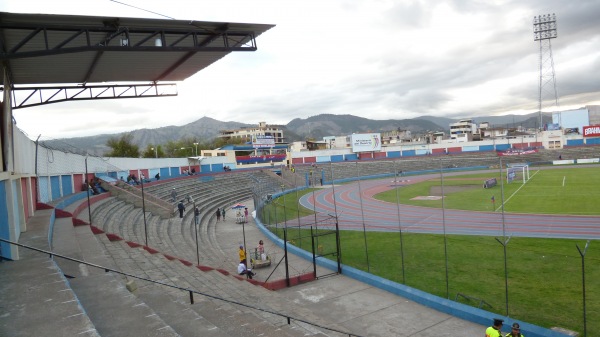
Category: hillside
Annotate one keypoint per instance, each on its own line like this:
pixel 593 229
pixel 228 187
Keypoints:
pixel 315 127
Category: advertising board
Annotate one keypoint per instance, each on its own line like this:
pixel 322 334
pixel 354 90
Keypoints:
pixel 591 131
pixel 364 142
pixel 263 141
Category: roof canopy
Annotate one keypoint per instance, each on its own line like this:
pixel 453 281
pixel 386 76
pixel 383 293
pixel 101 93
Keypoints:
pixel 42 49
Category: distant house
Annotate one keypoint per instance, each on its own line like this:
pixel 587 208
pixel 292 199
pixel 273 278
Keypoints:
pixel 463 130
pixel 248 134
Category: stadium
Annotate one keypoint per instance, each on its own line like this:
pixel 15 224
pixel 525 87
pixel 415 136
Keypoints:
pixel 73 258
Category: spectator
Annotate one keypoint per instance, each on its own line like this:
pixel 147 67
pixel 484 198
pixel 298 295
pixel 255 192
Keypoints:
pixel 261 250
pixel 197 215
pixel 246 214
pixel 157 176
pixel 243 270
pixel 181 208
pixel 223 213
pixel 173 195
pixel 242 254
pixel 218 213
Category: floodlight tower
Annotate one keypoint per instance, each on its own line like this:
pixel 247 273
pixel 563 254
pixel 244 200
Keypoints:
pixel 544 29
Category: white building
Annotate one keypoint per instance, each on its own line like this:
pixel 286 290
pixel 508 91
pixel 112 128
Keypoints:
pixel 248 134
pixel 463 128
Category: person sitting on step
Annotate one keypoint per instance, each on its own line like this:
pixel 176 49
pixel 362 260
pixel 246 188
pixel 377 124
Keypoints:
pixel 243 270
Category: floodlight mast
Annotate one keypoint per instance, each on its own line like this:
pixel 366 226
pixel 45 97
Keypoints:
pixel 544 29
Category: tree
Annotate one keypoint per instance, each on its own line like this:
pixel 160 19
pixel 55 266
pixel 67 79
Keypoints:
pixel 153 151
pixel 122 147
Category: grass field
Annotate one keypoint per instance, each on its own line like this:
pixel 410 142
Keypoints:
pixel 551 191
pixel 544 275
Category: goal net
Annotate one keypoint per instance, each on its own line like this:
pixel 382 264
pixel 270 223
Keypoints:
pixel 517 172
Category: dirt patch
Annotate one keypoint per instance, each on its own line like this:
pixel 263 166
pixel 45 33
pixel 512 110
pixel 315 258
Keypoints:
pixel 437 190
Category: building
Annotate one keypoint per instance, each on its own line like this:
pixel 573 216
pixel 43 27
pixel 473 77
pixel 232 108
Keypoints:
pixel 464 130
pixel 396 137
pixel 250 134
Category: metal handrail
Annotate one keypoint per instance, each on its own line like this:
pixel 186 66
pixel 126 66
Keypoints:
pixel 190 291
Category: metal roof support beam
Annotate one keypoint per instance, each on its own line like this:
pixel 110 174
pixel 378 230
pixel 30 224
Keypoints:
pixel 63 40
pixel 33 96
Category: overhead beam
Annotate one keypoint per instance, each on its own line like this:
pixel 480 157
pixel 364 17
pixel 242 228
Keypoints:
pixel 33 96
pixel 39 40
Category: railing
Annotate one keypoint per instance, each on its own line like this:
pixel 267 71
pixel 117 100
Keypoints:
pixel 135 197
pixel 190 291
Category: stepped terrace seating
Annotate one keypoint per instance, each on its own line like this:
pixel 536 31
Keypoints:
pixel 175 239
pixel 156 310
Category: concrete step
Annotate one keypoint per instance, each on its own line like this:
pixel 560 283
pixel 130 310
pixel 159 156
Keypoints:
pixel 114 310
pixel 159 268
pixel 37 300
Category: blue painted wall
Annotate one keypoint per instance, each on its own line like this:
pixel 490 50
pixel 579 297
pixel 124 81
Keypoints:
pixel 393 154
pixel 337 158
pixel 408 153
pixel 502 147
pixel 217 168
pixel 173 172
pixel 351 156
pixel 123 174
pixel 593 141
pixel 164 173
pixel 205 168
pixel 4 247
pixel 67 184
pixel 55 186
pixel 43 189
pixel 574 142
pixel 486 148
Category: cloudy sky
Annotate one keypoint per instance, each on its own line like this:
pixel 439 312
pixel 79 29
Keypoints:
pixel 379 59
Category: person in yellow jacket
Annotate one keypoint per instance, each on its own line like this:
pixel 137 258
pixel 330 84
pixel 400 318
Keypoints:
pixel 495 330
pixel 242 253
pixel 516 331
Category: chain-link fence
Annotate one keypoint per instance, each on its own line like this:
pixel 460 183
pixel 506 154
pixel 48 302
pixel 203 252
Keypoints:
pixel 402 220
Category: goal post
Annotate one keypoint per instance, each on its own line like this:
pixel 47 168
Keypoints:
pixel 517 172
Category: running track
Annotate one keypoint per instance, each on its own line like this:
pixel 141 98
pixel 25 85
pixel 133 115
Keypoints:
pixel 383 216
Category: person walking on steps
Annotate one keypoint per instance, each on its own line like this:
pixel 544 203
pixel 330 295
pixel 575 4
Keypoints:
pixel 181 208
pixel 174 194
pixel 218 213
pixel 223 213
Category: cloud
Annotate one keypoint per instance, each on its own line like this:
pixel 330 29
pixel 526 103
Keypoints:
pixel 374 59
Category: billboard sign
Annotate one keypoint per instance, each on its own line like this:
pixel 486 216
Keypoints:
pixel 263 141
pixel 365 142
pixel 591 131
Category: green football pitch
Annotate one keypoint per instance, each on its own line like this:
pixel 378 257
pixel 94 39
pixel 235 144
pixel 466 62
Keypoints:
pixel 542 281
pixel 549 191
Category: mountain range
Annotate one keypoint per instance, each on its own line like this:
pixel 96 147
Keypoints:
pixel 314 127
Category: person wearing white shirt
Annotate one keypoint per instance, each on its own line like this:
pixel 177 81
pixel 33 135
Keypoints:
pixel 243 270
